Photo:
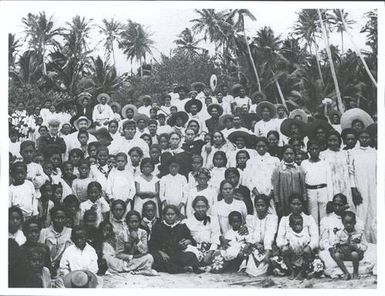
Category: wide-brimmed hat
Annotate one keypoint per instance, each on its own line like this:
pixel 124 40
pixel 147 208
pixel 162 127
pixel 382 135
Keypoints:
pixel 126 107
pixel 117 106
pixel 188 105
pixel 103 95
pixel 197 84
pixel 140 116
pixel 181 87
pixel 351 115
pixel 258 94
pixel 266 104
pixel 223 119
pixel 76 122
pixel 192 92
pixel 171 121
pixel 235 89
pixel 145 97
pixel 53 121
pixel 80 279
pixel 316 124
pixel 213 105
pixel 299 112
pixel 278 106
pixel 248 119
pixel 83 95
pixel 288 122
pixel 237 134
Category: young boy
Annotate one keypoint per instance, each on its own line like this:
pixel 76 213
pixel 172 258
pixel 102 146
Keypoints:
pixel 148 217
pixel 95 202
pixel 350 245
pixel 35 258
pixel 22 192
pixel 295 248
pixel 79 185
pixel 318 182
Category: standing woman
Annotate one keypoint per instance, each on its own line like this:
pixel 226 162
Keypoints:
pixel 338 162
pixel 102 112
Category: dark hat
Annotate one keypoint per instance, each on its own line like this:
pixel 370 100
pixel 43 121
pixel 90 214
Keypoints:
pixel 171 121
pixel 198 84
pixel 236 134
pixel 198 103
pixel 316 124
pixel 266 104
pixel 101 134
pixel 211 106
pixel 80 279
pixel 288 122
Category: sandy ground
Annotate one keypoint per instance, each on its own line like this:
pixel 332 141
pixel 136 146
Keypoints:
pixel 230 280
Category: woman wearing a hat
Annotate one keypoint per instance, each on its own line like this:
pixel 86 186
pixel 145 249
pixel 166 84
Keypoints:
pixel 267 112
pixel 102 113
pixel 177 121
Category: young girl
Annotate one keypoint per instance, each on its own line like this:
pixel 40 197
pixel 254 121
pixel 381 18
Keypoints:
pixel 136 155
pixel 218 170
pixel 241 160
pixel 173 188
pixel 149 217
pixel 146 185
pixel 100 170
pixel 22 192
pixel 295 247
pixel 155 153
pixel 83 138
pixel 131 246
pixel 120 181
pixel 287 179
pixel 95 202
pixel 75 155
pixel 202 189
pixel 117 216
pixel 196 165
pixel 79 185
pixel 169 244
pixel 262 228
pixel 67 177
pixel 15 220
pixel 72 204
pixel 349 245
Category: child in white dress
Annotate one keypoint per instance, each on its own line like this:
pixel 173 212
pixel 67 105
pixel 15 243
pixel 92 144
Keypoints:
pixel 147 186
pixel 218 171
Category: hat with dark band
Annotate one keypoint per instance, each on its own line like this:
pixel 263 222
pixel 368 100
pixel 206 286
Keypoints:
pixel 349 116
pixel 103 95
pixel 219 108
pixel 80 279
pixel 288 122
pixel 188 105
pixel 240 134
pixel 180 114
pixel 299 112
pixel 129 106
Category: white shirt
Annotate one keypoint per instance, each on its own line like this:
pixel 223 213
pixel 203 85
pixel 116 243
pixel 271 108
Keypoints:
pixel 18 236
pixel 102 113
pixel 242 101
pixel 221 210
pixel 124 145
pixel 173 189
pixel 101 207
pixel 120 185
pixel 201 233
pixel 145 110
pixel 262 127
pixel 76 259
pixel 24 197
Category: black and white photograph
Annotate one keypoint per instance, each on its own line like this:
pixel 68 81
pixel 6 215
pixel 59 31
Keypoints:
pixel 191 144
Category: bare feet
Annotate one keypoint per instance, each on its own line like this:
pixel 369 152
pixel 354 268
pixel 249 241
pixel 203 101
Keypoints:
pixel 347 276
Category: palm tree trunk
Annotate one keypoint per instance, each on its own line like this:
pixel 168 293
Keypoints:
pixel 359 54
pixel 43 54
pixel 279 91
pixel 141 67
pixel 339 99
pixel 342 42
pixel 318 63
pixel 252 61
pixel 132 72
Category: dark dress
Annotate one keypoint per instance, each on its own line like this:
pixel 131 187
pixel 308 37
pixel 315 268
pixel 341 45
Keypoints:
pixel 165 238
pixel 49 144
pixel 212 125
pixel 194 148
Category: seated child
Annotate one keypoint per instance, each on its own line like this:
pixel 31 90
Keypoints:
pixel 15 221
pixel 148 217
pixel 95 202
pixel 31 230
pixel 237 244
pixel 45 204
pixel 131 246
pixel 117 216
pixel 35 258
pixel 72 204
pixel 90 224
pixel 296 248
pixel 79 185
pixel 350 245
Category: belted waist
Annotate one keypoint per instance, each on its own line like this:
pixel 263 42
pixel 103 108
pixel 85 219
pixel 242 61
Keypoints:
pixel 315 186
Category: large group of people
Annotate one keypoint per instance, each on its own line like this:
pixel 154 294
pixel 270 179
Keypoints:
pixel 202 182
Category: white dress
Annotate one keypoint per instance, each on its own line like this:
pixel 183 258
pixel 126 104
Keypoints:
pixel 102 113
pixel 145 185
pixel 221 211
pixel 209 193
pixel 364 168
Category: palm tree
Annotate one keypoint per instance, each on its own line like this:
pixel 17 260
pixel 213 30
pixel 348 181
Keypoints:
pixel 307 28
pixel 136 43
pixel 240 25
pixel 268 47
pixel 187 44
pixel 111 30
pixel 327 47
pixel 13 45
pixel 338 18
pixel 211 23
pixel 40 33
pixel 103 78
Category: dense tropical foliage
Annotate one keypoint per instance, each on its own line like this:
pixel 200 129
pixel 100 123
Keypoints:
pixel 59 63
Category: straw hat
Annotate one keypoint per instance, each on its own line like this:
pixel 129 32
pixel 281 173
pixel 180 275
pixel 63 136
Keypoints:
pixel 117 106
pixel 126 107
pixel 299 112
pixel 351 115
pixel 83 95
pixel 288 122
pixel 240 134
pixel 52 121
pixel 76 122
pixel 211 106
pixel 266 104
pixel 198 103
pixel 103 95
pixel 80 279
pixel 140 116
pixel 180 114
pixel 334 112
